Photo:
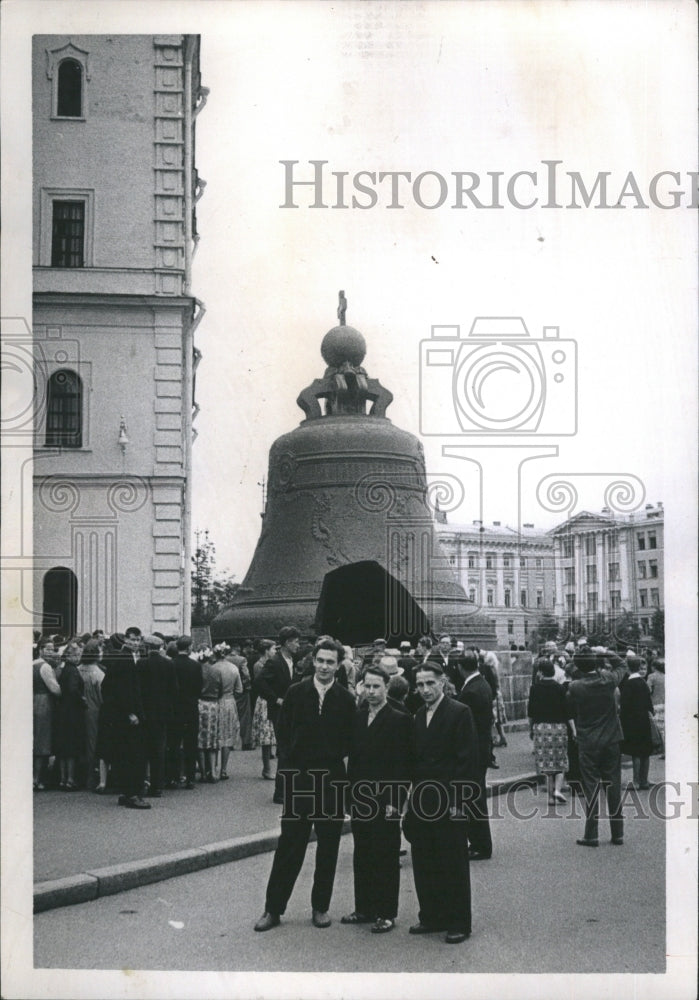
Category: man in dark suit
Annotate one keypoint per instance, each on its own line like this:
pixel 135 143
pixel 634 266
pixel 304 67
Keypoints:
pixel 445 656
pixel 379 774
pixel 273 681
pixel 159 694
pixel 592 696
pixel 476 694
pixel 123 707
pixel 444 772
pixel 183 738
pixel 314 732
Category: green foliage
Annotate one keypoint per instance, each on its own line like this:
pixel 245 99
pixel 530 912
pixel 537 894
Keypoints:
pixel 657 627
pixel 211 593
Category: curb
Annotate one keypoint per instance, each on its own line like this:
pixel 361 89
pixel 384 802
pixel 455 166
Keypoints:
pixel 98 882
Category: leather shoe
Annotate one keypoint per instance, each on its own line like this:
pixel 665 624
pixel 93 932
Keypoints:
pixel 618 841
pixel 267 921
pixel 320 919
pixel 424 929
pixel 136 802
pixel 587 843
pixel 478 856
pixel 357 918
pixel 456 937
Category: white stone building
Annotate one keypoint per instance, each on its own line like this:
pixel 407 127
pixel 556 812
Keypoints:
pixel 610 563
pixel 114 231
pixel 506 573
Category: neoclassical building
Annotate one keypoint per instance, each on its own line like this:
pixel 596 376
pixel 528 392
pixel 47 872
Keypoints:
pixel 114 231
pixel 608 563
pixel 506 572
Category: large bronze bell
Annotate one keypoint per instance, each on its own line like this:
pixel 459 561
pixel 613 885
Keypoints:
pixel 348 546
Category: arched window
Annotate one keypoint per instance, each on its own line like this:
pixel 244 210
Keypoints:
pixel 64 416
pixel 60 605
pixel 69 102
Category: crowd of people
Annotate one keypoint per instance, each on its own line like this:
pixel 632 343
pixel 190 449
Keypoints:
pixel 176 713
pixel 383 734
pixel 633 720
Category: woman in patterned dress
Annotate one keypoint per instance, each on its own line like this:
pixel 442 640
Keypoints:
pixel 211 691
pixel 228 724
pixel 549 717
pixel 262 728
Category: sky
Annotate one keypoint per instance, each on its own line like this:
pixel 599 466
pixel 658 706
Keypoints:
pixel 446 88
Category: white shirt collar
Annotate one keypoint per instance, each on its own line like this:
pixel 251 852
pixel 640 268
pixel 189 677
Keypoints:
pixel 433 708
pixel 471 677
pixel 322 689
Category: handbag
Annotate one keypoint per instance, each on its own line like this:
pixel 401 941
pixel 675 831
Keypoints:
pixel 656 739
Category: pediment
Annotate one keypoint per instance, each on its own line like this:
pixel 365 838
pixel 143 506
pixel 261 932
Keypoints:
pixel 584 521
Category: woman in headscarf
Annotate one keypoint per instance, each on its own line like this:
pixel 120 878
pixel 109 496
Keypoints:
pixel 211 691
pixel 71 717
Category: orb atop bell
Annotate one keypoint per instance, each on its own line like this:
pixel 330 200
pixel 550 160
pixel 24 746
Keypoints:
pixel 343 345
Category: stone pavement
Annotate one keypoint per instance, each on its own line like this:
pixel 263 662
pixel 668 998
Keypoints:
pixel 85 846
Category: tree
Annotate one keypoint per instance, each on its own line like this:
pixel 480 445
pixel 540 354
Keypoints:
pixel 599 632
pixel 657 628
pixel 625 629
pixel 211 592
pixel 546 628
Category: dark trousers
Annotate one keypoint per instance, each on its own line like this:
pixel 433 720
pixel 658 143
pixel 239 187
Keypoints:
pixel 288 859
pixel 156 741
pixel 600 769
pixel 182 747
pixel 129 763
pixel 376 864
pixel 640 770
pixel 479 835
pixel 442 874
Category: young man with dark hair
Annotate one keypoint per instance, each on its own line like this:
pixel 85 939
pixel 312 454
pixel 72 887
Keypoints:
pixel 274 680
pixel 314 731
pixel 445 769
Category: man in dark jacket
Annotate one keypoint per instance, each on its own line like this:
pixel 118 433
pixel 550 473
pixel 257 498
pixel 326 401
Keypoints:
pixel 379 774
pixel 314 731
pixel 476 694
pixel 445 768
pixel 592 697
pixel 125 716
pixel 273 681
pixel 159 694
pixel 184 730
